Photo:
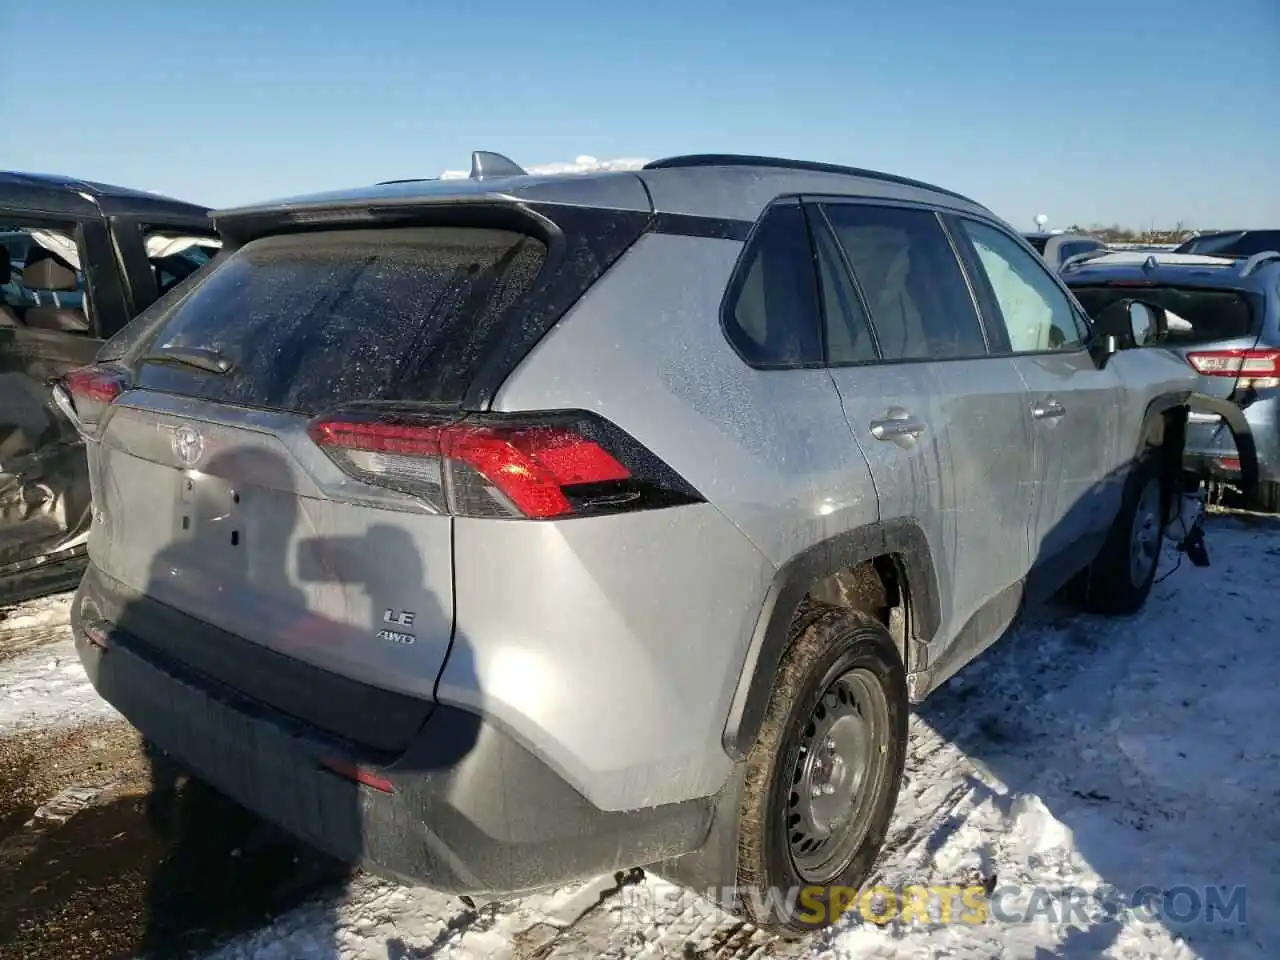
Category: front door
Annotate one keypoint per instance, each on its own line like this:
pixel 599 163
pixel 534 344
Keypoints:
pixel 1075 407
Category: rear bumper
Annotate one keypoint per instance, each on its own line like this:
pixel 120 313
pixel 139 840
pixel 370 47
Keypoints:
pixel 469 810
pixel 1210 442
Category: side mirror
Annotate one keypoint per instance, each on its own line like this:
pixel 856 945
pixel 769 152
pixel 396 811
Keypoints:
pixel 1127 324
pixel 1147 324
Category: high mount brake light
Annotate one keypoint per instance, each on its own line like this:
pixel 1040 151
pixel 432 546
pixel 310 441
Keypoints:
pixel 1253 368
pixel 538 467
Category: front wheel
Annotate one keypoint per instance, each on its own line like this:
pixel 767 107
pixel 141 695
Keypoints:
pixel 1120 578
pixel 823 777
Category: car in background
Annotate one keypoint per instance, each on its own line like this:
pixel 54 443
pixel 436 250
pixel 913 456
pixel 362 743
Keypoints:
pixel 1058 248
pixel 78 260
pixel 1223 316
pixel 1232 243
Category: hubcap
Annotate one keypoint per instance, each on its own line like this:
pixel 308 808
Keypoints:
pixel 837 776
pixel 1144 539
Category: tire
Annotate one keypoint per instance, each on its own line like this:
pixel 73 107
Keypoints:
pixel 838 660
pixel 1266 499
pixel 1118 581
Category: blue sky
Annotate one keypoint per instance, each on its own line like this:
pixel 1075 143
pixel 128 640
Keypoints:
pixel 1133 111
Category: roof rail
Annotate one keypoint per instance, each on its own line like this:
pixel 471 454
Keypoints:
pixel 486 164
pixel 740 160
pixel 1257 260
pixel 383 183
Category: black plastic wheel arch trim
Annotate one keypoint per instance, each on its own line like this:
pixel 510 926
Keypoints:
pixel 771 635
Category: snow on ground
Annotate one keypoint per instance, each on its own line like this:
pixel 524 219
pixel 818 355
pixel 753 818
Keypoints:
pixel 1077 762
pixel 1078 756
pixel 41 680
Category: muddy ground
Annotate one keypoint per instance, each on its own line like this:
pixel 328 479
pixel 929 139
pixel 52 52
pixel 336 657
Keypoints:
pixel 107 851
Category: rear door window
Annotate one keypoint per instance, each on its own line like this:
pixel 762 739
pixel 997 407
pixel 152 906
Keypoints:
pixel 310 321
pixel 911 281
pixel 1195 315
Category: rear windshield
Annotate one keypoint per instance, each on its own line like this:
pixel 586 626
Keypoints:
pixel 1195 315
pixel 310 321
pixel 1038 242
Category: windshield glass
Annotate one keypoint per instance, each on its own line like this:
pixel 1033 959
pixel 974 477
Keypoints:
pixel 1196 315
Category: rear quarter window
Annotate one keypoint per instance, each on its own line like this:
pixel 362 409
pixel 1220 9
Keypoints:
pixel 311 321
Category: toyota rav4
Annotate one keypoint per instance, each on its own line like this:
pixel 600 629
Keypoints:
pixel 502 531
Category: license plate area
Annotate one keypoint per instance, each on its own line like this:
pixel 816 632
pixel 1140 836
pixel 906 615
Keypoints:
pixel 211 519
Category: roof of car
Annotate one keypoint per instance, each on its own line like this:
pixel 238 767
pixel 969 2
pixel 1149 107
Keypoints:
pixel 69 196
pixel 1183 268
pixel 710 185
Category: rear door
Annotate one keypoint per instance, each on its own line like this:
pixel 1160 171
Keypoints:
pixel 944 425
pixel 1075 407
pixel 212 496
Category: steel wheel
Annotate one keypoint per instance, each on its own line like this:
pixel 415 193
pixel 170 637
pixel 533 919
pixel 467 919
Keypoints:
pixel 837 776
pixel 1144 536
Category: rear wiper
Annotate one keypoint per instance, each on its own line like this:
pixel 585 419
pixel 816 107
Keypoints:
pixel 199 357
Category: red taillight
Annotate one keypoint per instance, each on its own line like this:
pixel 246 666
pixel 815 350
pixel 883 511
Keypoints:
pixel 502 467
pixel 1247 364
pixel 94 384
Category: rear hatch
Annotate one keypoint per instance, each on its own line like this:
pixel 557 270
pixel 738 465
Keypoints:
pixel 218 495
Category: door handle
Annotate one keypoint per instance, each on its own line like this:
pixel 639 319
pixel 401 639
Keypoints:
pixel 1048 410
pixel 897 426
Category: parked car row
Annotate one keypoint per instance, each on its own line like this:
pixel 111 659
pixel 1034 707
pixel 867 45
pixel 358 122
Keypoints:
pixel 643 504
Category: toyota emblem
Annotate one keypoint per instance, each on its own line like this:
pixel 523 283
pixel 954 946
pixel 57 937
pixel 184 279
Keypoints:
pixel 188 446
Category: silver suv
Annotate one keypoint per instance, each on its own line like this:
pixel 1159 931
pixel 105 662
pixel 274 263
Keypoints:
pixel 502 531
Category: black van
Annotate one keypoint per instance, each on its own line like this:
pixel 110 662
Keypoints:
pixel 78 261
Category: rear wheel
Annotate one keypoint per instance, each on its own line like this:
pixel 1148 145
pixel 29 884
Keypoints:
pixel 1120 578
pixel 823 776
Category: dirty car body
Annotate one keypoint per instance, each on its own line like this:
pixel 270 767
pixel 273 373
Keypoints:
pixel 477 513
pixel 77 261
